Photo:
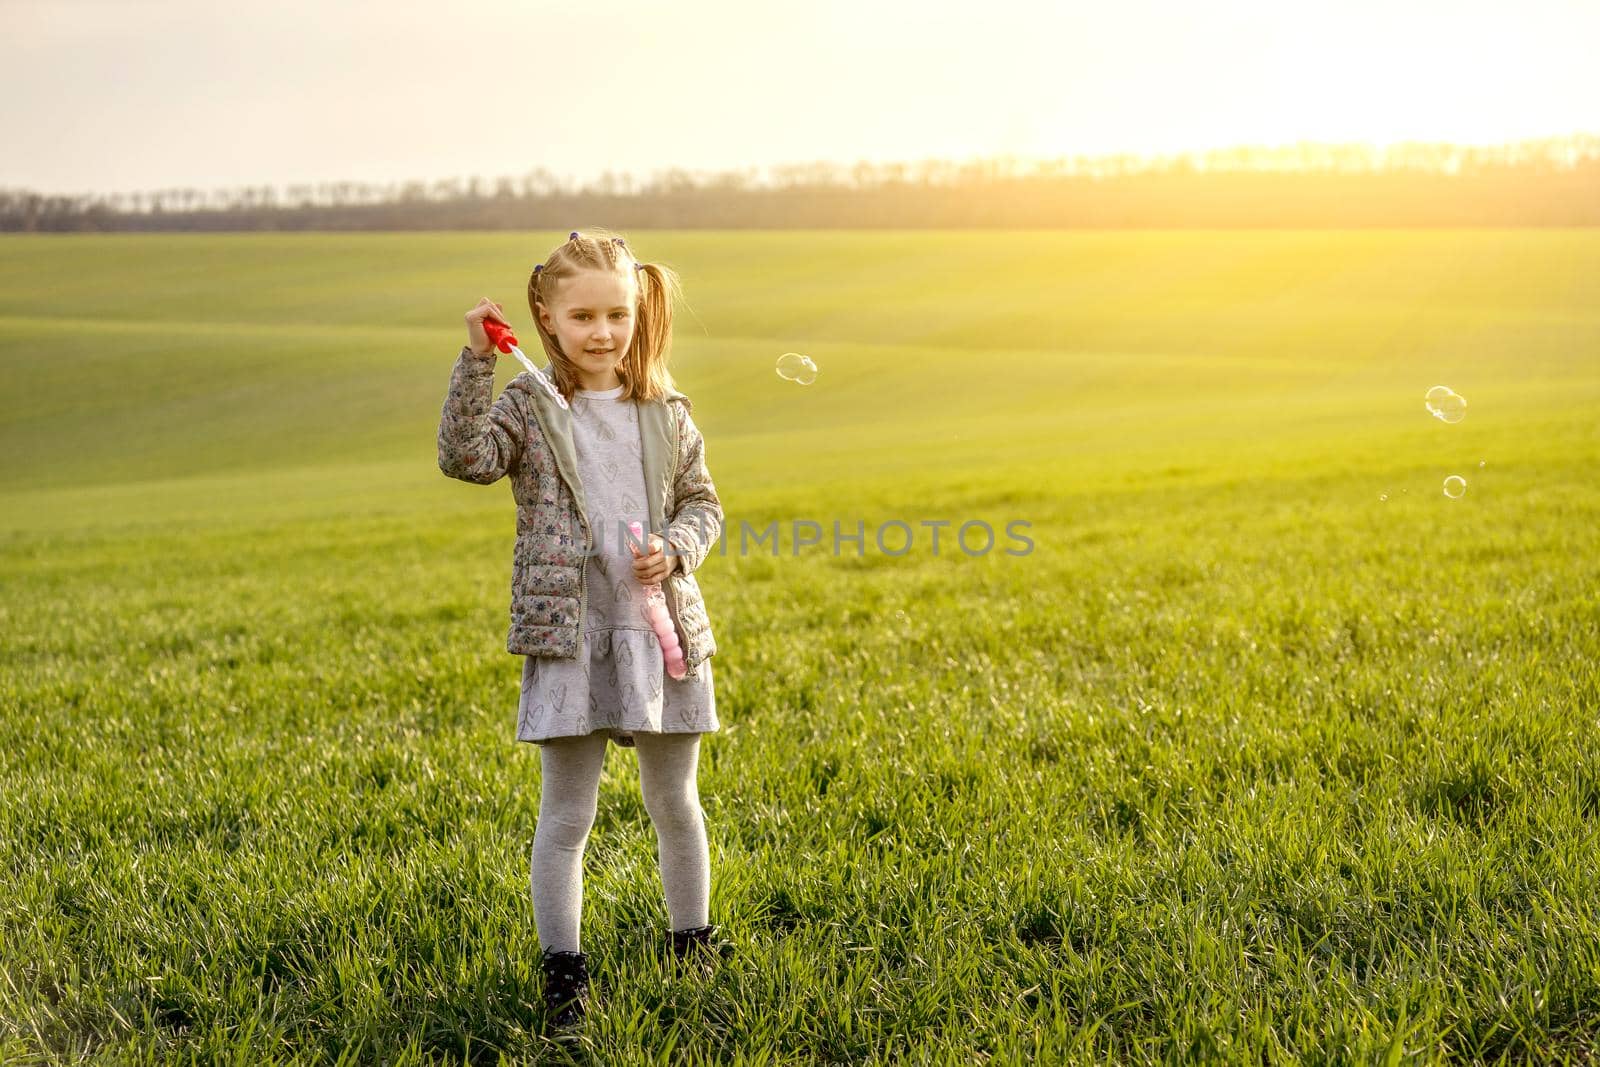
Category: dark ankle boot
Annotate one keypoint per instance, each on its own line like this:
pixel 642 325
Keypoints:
pixel 566 986
pixel 700 947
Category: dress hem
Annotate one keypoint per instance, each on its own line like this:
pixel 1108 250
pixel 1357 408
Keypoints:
pixel 623 739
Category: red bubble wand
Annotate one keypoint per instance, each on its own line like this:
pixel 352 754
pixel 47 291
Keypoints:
pixel 505 339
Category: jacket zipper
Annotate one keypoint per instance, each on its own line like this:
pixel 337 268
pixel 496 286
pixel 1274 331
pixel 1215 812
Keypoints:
pixel 583 587
pixel 588 534
pixel 583 575
pixel 666 586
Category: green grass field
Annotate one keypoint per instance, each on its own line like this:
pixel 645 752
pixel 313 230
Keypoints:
pixel 1240 763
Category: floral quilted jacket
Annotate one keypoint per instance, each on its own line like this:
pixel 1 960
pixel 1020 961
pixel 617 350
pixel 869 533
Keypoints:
pixel 527 434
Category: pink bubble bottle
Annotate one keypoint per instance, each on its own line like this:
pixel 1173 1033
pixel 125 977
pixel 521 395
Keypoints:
pixel 660 620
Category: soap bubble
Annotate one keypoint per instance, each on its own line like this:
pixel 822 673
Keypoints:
pixel 1445 404
pixel 1455 487
pixel 1383 496
pixel 1482 463
pixel 794 367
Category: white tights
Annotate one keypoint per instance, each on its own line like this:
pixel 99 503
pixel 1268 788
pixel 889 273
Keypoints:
pixel 568 795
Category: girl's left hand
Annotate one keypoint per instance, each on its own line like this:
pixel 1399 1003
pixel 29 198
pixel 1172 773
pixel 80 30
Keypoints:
pixel 651 569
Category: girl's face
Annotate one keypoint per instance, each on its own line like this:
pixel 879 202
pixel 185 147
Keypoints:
pixel 592 318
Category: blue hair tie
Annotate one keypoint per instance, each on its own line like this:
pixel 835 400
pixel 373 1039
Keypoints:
pixel 573 236
pixel 538 267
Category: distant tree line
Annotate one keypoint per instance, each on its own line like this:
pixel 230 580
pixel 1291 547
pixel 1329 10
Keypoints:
pixel 1546 182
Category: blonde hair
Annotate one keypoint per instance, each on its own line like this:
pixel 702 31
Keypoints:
pixel 643 369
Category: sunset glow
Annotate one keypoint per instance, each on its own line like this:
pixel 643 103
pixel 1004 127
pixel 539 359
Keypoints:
pixel 108 96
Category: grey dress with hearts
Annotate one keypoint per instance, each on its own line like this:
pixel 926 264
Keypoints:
pixel 618 682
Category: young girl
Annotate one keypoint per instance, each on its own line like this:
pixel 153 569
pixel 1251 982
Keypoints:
pixel 599 438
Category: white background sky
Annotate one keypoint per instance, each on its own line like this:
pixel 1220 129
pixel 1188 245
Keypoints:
pixel 124 95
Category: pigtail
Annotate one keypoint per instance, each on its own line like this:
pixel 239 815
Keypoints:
pixel 646 362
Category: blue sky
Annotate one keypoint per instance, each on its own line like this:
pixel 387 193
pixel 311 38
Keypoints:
pixel 122 95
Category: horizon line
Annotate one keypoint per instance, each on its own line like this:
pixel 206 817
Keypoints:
pixel 1281 155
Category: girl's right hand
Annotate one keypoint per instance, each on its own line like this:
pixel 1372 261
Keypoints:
pixel 477 338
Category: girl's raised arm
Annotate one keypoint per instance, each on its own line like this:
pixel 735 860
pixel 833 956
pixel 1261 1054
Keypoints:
pixel 479 442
